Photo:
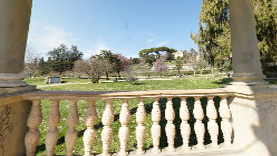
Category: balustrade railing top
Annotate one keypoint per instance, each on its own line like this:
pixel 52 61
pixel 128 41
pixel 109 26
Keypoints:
pixel 197 119
pixel 87 95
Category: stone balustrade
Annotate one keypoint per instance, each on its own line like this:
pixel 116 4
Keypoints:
pixel 218 117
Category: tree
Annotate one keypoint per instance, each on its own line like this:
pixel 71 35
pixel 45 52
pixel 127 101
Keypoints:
pixel 43 67
pixel 124 64
pixel 213 38
pixel 62 58
pixel 169 56
pixel 150 55
pixel 112 60
pixel 160 66
pixel 94 68
pixel 201 64
pixel 135 61
pixel 193 57
pixel 178 65
pixel 81 67
pixel 265 12
pixel 31 61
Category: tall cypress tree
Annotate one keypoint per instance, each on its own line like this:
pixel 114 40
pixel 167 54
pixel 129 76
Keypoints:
pixel 266 24
pixel 213 38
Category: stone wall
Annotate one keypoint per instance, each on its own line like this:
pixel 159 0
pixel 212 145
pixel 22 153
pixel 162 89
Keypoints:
pixel 13 127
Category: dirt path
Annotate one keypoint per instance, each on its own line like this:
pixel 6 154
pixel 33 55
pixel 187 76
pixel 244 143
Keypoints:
pixel 60 84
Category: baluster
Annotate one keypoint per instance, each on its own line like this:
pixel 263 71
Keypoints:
pixel 140 130
pixel 156 128
pixel 52 135
pixel 212 125
pixel 90 121
pixel 71 134
pixel 107 133
pixel 32 136
pixel 199 126
pixel 124 131
pixel 226 125
pixel 185 127
pixel 170 127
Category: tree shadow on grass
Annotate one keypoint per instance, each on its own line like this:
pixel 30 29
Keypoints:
pixel 223 81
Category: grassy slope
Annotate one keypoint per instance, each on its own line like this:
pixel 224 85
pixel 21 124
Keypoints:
pixel 198 83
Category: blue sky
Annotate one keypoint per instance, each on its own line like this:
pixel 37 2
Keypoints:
pixel 122 26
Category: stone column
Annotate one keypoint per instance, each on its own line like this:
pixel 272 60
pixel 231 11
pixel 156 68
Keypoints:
pixel 245 54
pixel 15 19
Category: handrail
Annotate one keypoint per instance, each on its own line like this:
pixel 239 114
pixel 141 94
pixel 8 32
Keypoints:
pixel 90 95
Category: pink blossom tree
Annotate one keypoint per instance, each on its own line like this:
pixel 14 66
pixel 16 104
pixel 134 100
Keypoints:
pixel 124 63
pixel 160 66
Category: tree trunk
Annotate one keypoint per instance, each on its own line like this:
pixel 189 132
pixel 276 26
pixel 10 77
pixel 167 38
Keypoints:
pixel 119 77
pixel 107 76
pixel 201 71
pixel 212 71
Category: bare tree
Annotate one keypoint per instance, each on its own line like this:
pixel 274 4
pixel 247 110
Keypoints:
pixel 31 61
pixel 94 68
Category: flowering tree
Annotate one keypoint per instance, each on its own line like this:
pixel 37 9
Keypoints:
pixel 123 64
pixel 160 66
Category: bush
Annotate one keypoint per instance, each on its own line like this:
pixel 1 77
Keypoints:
pixel 130 76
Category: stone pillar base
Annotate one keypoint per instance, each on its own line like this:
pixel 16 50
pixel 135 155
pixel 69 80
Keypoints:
pixel 247 77
pixel 12 80
pixel 254 119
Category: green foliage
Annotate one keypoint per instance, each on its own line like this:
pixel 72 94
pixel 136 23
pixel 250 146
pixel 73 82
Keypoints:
pixel 265 12
pixel 135 61
pixel 62 59
pixel 111 58
pixel 43 67
pixel 169 56
pixel 178 64
pixel 213 37
pixel 150 55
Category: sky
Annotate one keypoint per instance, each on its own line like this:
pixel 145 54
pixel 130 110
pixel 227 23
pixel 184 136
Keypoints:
pixel 122 26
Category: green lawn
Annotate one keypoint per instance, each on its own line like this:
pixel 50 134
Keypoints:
pixel 41 80
pixel 179 84
pixel 193 83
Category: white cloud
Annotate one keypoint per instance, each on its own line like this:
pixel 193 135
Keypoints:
pixel 162 43
pixel 151 40
pixel 95 49
pixel 54 36
pixel 155 40
pixel 47 37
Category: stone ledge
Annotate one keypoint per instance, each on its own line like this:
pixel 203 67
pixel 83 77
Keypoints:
pixel 12 80
pixel 13 90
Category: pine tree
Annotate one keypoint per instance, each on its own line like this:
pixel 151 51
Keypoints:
pixel 43 67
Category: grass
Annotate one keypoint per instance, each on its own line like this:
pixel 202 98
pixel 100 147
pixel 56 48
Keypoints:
pixel 197 83
pixel 179 84
pixel 41 80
